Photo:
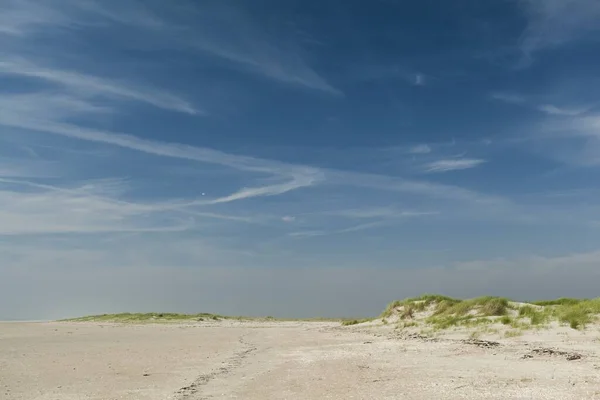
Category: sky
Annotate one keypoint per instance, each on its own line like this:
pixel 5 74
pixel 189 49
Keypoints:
pixel 295 158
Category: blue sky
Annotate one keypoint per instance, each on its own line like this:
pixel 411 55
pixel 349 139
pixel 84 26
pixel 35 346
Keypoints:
pixel 295 158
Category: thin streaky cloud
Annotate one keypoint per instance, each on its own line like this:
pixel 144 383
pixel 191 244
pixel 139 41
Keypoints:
pixel 30 151
pixel 45 210
pixel 270 190
pixel 147 146
pixel 301 234
pixel 21 17
pixel 550 109
pixel 419 80
pixel 362 227
pixel 184 210
pixel 47 106
pixel 245 163
pixel 553 23
pixel 355 228
pixel 131 13
pixel 411 186
pixel 26 17
pixel 384 217
pixel 92 86
pixel 220 30
pixel 229 33
pixel 106 192
pixel 301 176
pixel 31 168
pixel 380 212
pixel 420 149
pixel 452 165
pixel 271 67
pixel 568 112
pixel 510 98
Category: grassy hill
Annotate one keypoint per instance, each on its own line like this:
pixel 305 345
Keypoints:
pixel 440 312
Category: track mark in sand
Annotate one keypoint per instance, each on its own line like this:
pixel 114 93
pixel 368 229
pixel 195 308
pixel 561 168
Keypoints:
pixel 231 364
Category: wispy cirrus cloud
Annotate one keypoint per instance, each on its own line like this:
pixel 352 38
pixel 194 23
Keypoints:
pixel 420 149
pixel 452 164
pixel 420 80
pixel 13 167
pixel 569 112
pixel 380 212
pixel 88 208
pixel 298 181
pixel 351 229
pixel 387 72
pixel 376 216
pixel 413 187
pixel 89 86
pixel 570 140
pixel 552 23
pixel 228 32
pixel 91 207
pixel 220 30
pixel 20 17
pixel 566 133
pixel 42 114
pixel 549 109
pixel 511 98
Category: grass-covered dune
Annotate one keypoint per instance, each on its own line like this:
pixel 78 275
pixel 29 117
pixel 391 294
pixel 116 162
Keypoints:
pixel 435 312
pixel 176 317
pixel 441 312
pixel 147 317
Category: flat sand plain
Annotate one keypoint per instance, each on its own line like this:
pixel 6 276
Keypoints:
pixel 289 360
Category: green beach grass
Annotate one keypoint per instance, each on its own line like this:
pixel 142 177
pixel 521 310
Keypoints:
pixel 446 312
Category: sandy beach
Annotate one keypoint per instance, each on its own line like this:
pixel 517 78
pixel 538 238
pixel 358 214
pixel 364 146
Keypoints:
pixel 289 360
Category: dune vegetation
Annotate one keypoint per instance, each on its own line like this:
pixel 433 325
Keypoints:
pixel 434 312
pixel 442 312
pixel 147 317
pixel 154 317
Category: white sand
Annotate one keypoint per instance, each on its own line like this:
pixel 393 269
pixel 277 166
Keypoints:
pixel 233 360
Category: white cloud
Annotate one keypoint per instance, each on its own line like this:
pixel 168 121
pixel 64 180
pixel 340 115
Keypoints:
pixel 229 33
pixel 379 216
pixel 554 110
pixel 288 218
pixel 413 187
pixel 32 17
pixel 19 17
pixel 419 80
pixel 420 149
pixel 552 23
pixel 222 30
pixel 307 233
pixel 90 207
pixel 550 109
pixel 88 86
pixel 297 182
pixel 40 114
pixel 380 212
pixel 571 127
pixel 18 168
pixel 452 164
pixel 511 98
pixel 35 112
pixel 42 209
